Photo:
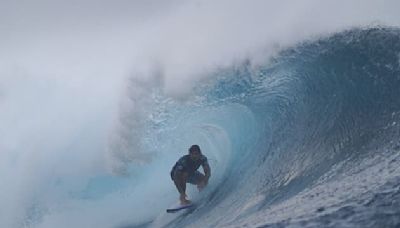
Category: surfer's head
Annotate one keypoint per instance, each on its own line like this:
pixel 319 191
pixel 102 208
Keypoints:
pixel 195 152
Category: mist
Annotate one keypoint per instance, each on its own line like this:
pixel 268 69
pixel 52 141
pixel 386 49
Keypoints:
pixel 65 69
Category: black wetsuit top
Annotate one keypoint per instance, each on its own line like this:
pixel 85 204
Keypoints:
pixel 186 164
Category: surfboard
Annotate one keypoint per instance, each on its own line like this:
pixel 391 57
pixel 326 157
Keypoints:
pixel 180 207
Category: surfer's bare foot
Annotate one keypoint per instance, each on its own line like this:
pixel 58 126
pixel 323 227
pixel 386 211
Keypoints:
pixel 185 202
pixel 183 199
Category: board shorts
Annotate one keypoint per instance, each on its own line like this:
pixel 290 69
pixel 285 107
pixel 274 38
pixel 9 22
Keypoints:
pixel 192 179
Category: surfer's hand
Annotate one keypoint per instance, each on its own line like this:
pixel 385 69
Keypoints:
pixel 206 181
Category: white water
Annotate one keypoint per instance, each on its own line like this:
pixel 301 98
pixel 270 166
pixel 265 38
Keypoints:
pixel 64 69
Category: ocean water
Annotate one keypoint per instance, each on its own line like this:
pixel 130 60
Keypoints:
pixel 310 139
pixel 299 118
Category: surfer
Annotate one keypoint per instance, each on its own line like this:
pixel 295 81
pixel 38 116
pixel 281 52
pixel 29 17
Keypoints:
pixel 185 171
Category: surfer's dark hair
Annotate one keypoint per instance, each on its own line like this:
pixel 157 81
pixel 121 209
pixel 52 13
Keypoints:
pixel 194 148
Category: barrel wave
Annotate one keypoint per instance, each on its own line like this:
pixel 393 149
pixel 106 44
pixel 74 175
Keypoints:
pixel 307 139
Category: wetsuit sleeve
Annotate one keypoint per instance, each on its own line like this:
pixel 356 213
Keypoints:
pixel 181 164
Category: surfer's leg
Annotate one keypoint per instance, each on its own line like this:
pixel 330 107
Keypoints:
pixel 180 179
pixel 197 179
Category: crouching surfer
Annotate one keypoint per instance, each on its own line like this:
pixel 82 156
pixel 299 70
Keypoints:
pixel 185 171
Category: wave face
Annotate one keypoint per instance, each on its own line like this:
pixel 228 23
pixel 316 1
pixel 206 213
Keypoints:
pixel 308 139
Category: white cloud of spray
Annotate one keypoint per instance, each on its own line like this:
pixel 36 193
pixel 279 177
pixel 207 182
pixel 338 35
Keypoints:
pixel 63 65
pixel 200 36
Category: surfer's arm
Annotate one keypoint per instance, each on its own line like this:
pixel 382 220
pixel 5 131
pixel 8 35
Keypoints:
pixel 206 168
pixel 207 171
